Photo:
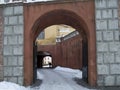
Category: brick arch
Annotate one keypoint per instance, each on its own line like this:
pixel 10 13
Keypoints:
pixel 36 20
pixel 57 17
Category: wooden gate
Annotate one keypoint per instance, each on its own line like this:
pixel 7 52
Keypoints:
pixel 34 62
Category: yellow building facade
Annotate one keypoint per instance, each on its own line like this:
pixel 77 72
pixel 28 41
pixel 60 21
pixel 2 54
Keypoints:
pixel 53 32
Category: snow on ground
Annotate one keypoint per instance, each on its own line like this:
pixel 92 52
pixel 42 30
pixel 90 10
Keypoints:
pixel 10 86
pixel 40 75
pixel 60 78
pixel 73 72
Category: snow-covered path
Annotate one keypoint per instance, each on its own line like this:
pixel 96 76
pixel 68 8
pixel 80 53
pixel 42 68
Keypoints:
pixel 57 80
pixel 52 79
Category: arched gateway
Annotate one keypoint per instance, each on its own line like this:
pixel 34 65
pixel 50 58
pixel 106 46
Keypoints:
pixel 79 15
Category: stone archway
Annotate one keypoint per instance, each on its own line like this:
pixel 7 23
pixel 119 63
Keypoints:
pixel 39 16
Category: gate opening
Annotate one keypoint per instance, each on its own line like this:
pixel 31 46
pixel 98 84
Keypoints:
pixel 62 45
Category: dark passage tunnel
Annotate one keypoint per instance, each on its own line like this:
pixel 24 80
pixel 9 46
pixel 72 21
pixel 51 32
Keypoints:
pixel 43 59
